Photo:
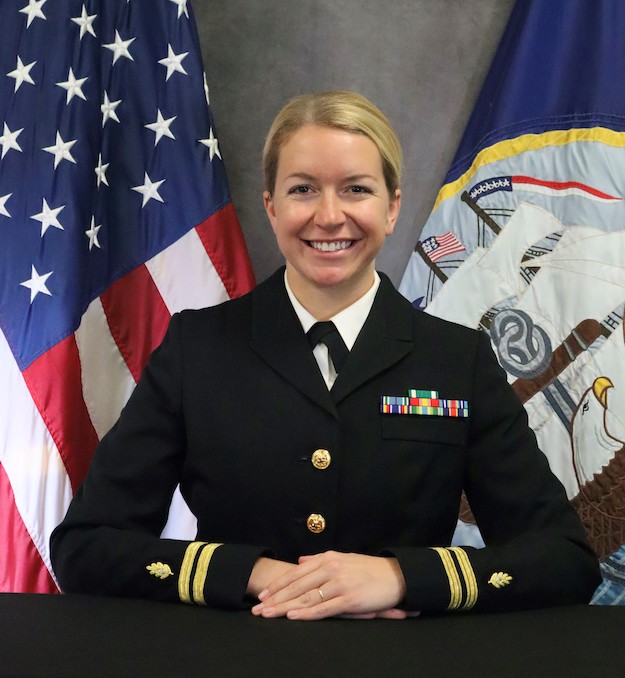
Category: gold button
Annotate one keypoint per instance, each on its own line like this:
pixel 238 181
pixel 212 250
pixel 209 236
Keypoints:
pixel 316 523
pixel 321 459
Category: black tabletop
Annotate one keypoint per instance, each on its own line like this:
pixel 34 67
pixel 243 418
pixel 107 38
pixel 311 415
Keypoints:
pixel 88 636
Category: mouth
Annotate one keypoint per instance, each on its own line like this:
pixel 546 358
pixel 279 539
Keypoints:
pixel 332 246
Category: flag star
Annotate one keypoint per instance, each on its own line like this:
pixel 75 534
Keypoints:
pixel 8 140
pixel 161 127
pixel 85 21
pixel 182 7
pixel 92 234
pixel 47 217
pixel 73 85
pixel 149 190
pixel 173 62
pixel 100 171
pixel 108 109
pixel 120 47
pixel 37 283
pixel 22 73
pixel 3 201
pixel 61 150
pixel 212 144
pixel 33 9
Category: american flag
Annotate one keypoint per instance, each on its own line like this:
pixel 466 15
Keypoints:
pixel 114 214
pixel 439 246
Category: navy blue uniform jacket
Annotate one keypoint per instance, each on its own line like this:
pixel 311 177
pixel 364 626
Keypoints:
pixel 232 406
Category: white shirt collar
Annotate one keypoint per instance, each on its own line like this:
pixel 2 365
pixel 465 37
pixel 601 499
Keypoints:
pixel 349 321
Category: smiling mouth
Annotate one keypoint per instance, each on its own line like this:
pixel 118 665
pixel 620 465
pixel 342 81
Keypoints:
pixel 334 246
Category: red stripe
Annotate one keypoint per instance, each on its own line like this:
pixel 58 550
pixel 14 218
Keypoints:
pixel 222 238
pixel 563 185
pixel 21 567
pixel 137 317
pixel 55 386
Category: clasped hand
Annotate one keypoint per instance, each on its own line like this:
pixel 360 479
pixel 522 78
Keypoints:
pixel 329 584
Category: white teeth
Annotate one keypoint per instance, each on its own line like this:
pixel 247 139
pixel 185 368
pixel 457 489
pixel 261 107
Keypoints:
pixel 333 246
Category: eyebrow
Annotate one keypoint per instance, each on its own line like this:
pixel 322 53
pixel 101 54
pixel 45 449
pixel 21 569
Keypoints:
pixel 310 177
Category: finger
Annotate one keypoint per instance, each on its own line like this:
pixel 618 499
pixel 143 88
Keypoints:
pixel 393 613
pixel 298 590
pixel 308 600
pixel 293 575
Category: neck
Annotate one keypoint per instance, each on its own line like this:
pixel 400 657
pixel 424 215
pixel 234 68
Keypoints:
pixel 325 302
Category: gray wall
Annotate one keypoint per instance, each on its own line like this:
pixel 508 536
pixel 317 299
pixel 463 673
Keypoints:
pixel 421 61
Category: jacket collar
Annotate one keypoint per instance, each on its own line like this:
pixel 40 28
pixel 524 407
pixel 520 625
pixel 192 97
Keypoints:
pixel 278 337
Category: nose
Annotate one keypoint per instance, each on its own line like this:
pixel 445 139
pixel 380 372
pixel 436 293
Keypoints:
pixel 329 213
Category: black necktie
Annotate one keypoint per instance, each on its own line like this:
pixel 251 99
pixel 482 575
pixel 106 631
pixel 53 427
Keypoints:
pixel 326 333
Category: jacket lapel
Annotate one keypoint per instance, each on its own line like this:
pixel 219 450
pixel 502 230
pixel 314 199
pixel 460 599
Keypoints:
pixel 386 338
pixel 278 338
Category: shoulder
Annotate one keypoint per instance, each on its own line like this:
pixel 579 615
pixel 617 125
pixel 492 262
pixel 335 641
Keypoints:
pixel 233 316
pixel 425 326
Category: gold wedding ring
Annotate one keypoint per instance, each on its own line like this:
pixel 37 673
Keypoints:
pixel 323 600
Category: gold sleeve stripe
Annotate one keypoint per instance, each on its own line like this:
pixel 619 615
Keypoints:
pixel 454 580
pixel 201 571
pixel 184 580
pixel 470 581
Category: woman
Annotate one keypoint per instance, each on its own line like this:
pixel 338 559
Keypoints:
pixel 314 497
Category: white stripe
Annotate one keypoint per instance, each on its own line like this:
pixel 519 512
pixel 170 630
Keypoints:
pixel 30 458
pixel 185 276
pixel 106 380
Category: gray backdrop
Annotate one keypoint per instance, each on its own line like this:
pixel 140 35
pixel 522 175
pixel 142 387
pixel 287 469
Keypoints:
pixel 421 61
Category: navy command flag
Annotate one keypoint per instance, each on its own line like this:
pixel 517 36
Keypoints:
pixel 114 214
pixel 535 202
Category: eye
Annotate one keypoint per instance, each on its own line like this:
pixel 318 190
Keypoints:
pixel 359 189
pixel 302 189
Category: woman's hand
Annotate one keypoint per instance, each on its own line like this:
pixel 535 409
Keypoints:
pixel 330 584
pixel 265 571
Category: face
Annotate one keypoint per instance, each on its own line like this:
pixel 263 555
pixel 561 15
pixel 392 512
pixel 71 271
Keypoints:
pixel 330 210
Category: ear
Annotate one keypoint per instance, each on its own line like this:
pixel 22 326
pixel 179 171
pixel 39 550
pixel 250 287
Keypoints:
pixel 394 206
pixel 269 208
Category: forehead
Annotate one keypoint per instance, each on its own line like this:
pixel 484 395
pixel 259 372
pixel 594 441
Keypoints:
pixel 314 149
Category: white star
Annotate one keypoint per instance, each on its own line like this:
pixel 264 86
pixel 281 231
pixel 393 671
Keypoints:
pixel 33 9
pixel 22 73
pixel 173 62
pixel 47 217
pixel 149 190
pixel 212 144
pixel 120 47
pixel 37 283
pixel 85 21
pixel 108 109
pixel 182 7
pixel 100 171
pixel 61 150
pixel 73 85
pixel 3 201
pixel 161 127
pixel 92 234
pixel 8 140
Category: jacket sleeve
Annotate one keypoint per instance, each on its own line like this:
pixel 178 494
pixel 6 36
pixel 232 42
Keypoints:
pixel 108 543
pixel 536 551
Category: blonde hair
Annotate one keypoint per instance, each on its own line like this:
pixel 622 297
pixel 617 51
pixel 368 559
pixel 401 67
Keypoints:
pixel 347 111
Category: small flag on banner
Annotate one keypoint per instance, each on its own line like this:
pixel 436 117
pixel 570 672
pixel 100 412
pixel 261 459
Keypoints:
pixel 114 214
pixel 439 246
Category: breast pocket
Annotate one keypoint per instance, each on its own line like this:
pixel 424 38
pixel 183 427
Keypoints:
pixel 439 430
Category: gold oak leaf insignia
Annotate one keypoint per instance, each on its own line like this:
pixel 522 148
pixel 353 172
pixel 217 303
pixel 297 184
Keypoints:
pixel 160 570
pixel 499 579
